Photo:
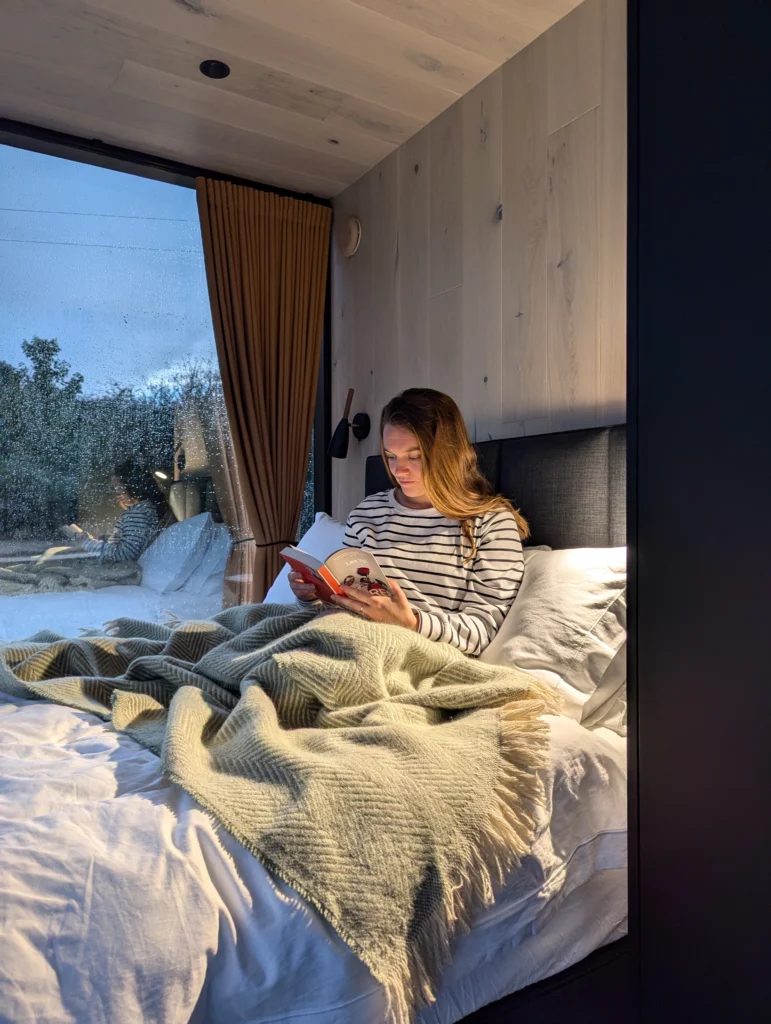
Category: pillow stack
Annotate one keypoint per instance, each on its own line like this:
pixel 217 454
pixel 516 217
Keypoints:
pixel 567 627
pixel 188 556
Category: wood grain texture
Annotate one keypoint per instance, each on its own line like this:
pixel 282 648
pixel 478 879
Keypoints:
pixel 574 64
pixel 445 139
pixel 100 41
pixel 573 269
pixel 534 301
pixel 611 385
pixel 208 99
pixel 383 200
pixel 413 272
pixel 482 29
pixel 318 81
pixel 351 345
pixel 525 365
pixel 157 128
pixel 446 340
pixel 481 389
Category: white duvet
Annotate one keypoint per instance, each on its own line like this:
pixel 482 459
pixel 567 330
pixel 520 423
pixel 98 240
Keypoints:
pixel 121 901
pixel 24 615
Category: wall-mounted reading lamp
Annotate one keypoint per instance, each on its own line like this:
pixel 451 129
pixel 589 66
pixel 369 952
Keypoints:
pixel 162 481
pixel 359 426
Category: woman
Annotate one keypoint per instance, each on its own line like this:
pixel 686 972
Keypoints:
pixel 452 548
pixel 135 530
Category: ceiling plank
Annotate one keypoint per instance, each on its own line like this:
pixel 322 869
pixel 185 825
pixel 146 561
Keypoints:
pixel 369 74
pixel 197 152
pixel 203 98
pixel 382 41
pixel 405 87
pixel 130 121
pixel 475 27
pixel 100 42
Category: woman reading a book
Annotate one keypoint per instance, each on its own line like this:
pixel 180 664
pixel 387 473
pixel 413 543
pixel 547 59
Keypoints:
pixel 452 550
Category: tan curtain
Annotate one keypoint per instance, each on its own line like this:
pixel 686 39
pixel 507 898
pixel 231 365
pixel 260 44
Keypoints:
pixel 221 459
pixel 266 265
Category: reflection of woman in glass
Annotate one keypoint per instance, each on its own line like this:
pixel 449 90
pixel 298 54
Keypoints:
pixel 137 527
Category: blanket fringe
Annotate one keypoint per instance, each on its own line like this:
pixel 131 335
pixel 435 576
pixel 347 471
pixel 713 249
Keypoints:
pixel 504 840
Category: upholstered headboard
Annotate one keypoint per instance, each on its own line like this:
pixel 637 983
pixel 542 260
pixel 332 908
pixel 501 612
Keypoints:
pixel 571 486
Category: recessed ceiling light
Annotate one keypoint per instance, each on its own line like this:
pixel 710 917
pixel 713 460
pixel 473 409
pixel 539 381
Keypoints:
pixel 214 69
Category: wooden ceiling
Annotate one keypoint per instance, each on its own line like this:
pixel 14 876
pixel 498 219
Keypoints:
pixel 319 91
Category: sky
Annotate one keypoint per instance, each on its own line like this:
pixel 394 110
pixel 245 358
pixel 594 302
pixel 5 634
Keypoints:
pixel 109 264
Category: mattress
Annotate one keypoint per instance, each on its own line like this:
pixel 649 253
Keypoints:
pixel 122 900
pixel 24 614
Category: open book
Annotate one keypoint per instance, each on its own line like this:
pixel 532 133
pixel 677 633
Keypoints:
pixel 350 567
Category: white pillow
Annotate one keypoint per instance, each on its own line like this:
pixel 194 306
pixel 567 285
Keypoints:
pixel 324 538
pixel 173 556
pixel 606 708
pixel 567 622
pixel 209 575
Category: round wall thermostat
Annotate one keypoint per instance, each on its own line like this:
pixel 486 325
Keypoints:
pixel 349 236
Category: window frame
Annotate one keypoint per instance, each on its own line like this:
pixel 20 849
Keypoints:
pixel 129 161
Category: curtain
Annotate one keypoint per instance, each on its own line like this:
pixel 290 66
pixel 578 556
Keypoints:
pixel 221 460
pixel 266 266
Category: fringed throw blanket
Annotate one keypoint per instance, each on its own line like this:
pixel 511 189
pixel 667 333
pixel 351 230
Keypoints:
pixel 54 575
pixel 390 780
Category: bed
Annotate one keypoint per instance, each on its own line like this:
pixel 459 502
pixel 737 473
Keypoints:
pixel 196 547
pixel 122 900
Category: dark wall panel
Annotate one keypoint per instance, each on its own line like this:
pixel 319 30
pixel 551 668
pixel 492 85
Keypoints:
pixel 700 489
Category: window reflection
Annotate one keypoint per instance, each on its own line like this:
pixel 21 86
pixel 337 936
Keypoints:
pixel 106 355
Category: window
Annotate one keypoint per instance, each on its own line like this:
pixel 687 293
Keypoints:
pixel 107 358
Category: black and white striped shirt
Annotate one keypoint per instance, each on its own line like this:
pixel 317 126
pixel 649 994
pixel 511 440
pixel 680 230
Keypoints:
pixel 458 603
pixel 133 532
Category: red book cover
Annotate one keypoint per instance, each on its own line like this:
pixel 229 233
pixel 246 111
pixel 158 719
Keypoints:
pixel 352 567
pixel 321 578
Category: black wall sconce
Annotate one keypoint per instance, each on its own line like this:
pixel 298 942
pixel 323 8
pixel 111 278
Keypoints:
pixel 359 426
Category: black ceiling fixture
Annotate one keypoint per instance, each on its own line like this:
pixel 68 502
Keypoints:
pixel 214 69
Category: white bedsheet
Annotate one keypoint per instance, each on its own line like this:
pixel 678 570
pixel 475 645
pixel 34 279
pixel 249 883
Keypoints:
pixel 122 901
pixel 23 615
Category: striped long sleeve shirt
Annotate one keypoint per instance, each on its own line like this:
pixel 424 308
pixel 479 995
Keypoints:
pixel 134 531
pixel 458 603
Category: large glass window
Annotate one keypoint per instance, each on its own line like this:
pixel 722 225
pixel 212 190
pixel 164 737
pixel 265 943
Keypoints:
pixel 107 359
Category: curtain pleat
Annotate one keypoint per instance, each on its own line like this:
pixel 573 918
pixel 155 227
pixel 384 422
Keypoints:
pixel 266 265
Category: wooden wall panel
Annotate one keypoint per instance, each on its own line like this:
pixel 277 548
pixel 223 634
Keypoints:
pixel 572 276
pixel 481 325
pixel 446 337
pixel 612 213
pixel 352 351
pixel 412 339
pixel 383 330
pixel 493 254
pixel 524 355
pixel 574 64
pixel 446 226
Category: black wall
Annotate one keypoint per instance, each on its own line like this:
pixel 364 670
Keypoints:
pixel 700 504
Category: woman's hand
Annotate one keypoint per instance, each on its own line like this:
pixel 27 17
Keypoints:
pixel 302 591
pixel 75 534
pixel 394 610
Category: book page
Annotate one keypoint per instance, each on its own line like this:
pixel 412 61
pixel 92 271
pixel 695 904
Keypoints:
pixel 354 567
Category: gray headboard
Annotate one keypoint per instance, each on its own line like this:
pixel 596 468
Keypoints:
pixel 571 486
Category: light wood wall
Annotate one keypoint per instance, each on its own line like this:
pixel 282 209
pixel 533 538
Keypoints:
pixel 492 264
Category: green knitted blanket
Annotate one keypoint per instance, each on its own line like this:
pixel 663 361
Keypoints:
pixel 390 780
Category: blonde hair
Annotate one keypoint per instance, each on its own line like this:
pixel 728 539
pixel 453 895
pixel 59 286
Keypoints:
pixel 451 476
